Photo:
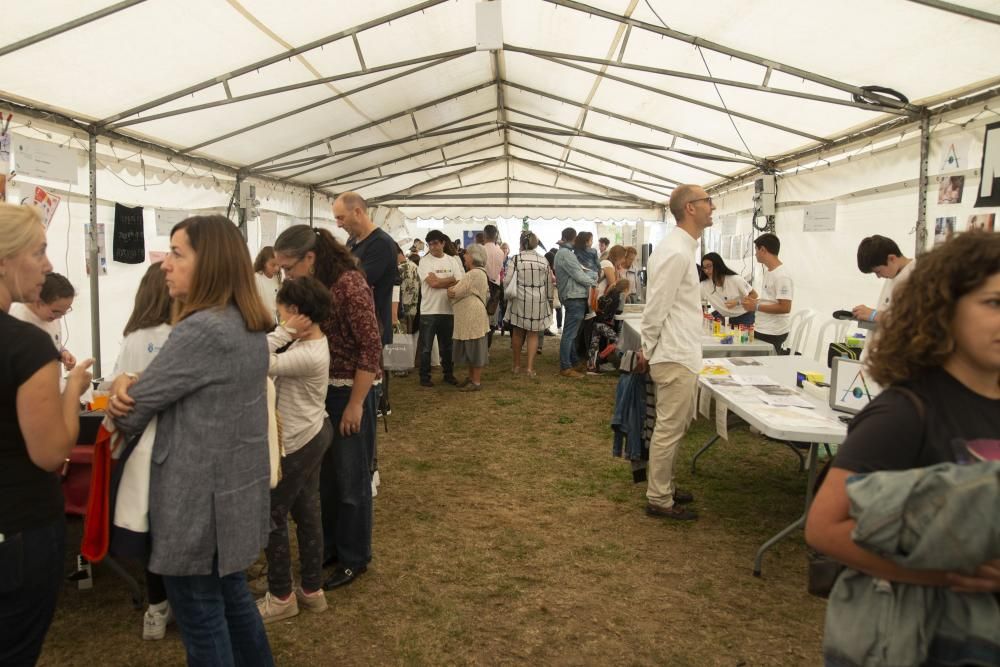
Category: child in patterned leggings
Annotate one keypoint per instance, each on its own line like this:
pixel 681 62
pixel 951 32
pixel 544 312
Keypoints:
pixel 604 325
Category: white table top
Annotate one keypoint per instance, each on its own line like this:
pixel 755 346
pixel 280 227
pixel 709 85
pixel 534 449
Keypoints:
pixel 816 424
pixel 710 346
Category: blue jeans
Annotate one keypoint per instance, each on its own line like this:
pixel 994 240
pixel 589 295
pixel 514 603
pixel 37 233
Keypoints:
pixel 31 574
pixel 441 326
pixel 345 485
pixel 575 311
pixel 218 620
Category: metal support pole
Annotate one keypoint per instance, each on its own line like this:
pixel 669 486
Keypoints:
pixel 241 213
pixel 93 261
pixel 925 149
pixel 312 195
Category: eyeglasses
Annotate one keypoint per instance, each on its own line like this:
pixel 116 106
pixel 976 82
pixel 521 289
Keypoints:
pixel 287 269
pixel 695 201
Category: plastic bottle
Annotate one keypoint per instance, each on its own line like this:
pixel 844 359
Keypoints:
pixel 750 332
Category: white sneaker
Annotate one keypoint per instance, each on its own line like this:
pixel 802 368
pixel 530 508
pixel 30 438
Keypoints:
pixel 315 601
pixel 154 623
pixel 272 609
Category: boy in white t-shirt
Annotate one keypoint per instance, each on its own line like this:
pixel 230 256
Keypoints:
pixel 881 255
pixel 437 272
pixel 775 302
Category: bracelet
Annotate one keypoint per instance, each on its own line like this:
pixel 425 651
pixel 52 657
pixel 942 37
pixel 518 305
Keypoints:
pixel 871 318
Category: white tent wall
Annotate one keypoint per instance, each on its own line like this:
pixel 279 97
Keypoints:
pixel 875 193
pixel 131 184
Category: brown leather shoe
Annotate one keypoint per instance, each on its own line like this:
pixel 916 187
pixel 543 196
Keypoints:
pixel 571 373
pixel 674 512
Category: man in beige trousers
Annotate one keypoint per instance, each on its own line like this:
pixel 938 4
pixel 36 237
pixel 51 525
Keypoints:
pixel 671 345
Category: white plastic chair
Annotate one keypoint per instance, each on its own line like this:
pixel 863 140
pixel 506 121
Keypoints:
pixel 832 331
pixel 800 325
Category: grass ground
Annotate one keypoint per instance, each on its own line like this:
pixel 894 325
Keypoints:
pixel 505 533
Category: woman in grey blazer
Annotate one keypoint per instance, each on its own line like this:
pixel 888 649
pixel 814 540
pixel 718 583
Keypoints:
pixel 209 500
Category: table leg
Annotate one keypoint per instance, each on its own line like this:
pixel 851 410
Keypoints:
pixel 801 521
pixel 704 448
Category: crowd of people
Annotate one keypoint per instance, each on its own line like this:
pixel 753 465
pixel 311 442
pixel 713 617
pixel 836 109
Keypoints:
pixel 309 319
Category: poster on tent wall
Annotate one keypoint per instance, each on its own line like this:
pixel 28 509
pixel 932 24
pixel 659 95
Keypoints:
pixel 47 203
pixel 989 186
pixel 820 218
pixel 166 219
pixel 129 239
pixel 102 254
pixel 44 160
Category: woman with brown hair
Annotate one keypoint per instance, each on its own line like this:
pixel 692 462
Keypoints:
pixel 209 496
pixel 38 428
pixel 355 364
pixel 938 356
pixel 146 331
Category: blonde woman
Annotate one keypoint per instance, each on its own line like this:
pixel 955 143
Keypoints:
pixel 38 428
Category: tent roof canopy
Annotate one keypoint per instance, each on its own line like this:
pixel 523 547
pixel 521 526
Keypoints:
pixel 607 104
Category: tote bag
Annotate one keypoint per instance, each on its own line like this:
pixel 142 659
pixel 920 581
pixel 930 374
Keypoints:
pixel 510 290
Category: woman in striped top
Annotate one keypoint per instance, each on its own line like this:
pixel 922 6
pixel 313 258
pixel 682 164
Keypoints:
pixel 531 310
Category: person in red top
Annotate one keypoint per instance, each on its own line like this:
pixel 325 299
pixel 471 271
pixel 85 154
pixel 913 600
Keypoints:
pixel 355 362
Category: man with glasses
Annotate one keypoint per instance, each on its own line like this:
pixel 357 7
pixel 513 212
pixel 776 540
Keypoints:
pixel 437 272
pixel 55 301
pixel 671 345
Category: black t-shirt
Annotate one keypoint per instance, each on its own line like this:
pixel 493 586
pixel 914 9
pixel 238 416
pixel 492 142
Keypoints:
pixel 891 434
pixel 29 496
pixel 377 254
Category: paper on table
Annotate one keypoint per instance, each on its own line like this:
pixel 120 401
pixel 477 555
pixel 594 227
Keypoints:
pixel 790 417
pixel 704 401
pixel 721 417
pixel 754 380
pixel 785 401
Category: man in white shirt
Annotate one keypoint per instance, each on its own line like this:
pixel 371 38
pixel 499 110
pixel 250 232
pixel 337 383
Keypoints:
pixel 880 255
pixel 437 272
pixel 671 344
pixel 775 303
pixel 494 265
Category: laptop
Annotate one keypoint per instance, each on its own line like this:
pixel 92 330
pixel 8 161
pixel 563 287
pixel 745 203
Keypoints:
pixel 851 388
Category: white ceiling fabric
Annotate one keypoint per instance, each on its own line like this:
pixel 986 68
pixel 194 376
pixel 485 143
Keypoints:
pixel 388 133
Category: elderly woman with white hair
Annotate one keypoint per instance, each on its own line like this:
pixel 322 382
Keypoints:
pixel 472 324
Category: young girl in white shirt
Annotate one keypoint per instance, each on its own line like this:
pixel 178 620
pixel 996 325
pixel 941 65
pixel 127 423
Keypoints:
pixel 724 289
pixel 300 365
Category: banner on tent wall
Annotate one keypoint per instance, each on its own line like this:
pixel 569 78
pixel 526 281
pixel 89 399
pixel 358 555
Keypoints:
pixel 820 218
pixel 268 228
pixel 102 255
pixel 989 186
pixel 166 219
pixel 47 203
pixel 129 239
pixel 44 160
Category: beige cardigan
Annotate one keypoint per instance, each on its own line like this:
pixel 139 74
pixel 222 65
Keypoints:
pixel 469 303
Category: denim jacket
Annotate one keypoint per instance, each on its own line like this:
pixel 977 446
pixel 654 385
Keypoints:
pixel 573 281
pixel 939 518
pixel 629 416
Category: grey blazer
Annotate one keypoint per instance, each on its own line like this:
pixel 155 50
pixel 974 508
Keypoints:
pixel 209 492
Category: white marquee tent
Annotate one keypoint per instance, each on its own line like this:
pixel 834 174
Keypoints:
pixel 590 111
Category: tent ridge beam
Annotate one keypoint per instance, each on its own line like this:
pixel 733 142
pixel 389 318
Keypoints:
pixel 318 103
pixel 354 152
pixel 447 55
pixel 627 119
pixel 578 178
pixel 960 10
pixel 558 169
pixel 408 172
pixel 437 164
pixel 735 53
pixel 641 150
pixel 688 100
pixel 556 55
pixel 374 123
pixel 291 53
pixel 411 156
pixel 66 27
pixel 489 195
